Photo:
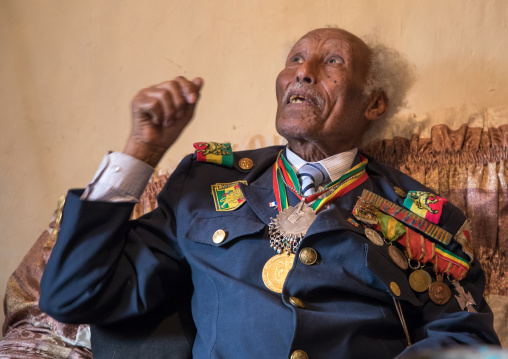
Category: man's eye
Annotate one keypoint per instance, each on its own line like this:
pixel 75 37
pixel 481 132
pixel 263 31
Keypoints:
pixel 336 60
pixel 297 59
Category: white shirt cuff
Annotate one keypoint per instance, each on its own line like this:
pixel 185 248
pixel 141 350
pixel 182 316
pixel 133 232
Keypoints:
pixel 120 178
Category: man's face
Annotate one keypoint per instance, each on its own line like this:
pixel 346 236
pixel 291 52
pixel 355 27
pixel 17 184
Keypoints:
pixel 320 91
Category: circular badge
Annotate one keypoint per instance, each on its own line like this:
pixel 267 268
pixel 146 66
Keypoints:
pixel 420 280
pixel 276 270
pixel 439 292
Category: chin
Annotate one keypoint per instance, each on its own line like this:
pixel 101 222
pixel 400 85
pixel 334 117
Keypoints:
pixel 297 127
pixel 295 133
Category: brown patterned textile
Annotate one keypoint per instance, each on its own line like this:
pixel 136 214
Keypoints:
pixel 28 332
pixel 148 201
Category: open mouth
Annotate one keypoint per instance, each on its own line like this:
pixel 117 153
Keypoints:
pixel 299 99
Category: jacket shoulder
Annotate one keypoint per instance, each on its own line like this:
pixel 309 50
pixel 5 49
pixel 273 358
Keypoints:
pixel 242 161
pixel 394 185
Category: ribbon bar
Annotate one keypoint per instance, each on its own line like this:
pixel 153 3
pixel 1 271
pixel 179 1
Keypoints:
pixel 408 218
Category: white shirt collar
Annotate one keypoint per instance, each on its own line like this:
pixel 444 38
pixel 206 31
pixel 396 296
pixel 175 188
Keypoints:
pixel 335 165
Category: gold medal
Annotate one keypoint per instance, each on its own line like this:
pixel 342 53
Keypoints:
pixel 397 257
pixel 374 236
pixel 276 270
pixel 420 280
pixel 439 292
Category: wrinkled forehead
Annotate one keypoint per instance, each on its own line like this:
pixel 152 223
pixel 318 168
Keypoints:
pixel 336 38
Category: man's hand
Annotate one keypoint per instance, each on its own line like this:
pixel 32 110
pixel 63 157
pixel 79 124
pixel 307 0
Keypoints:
pixel 159 115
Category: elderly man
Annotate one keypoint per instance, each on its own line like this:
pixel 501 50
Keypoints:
pixel 295 252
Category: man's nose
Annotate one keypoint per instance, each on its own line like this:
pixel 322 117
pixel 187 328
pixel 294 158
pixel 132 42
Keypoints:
pixel 307 72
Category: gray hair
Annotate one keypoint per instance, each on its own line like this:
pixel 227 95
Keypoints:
pixel 391 73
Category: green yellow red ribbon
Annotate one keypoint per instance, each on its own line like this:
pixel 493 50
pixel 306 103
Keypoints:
pixel 283 172
pixel 409 218
pixel 425 204
pixel 423 250
pixel 214 152
pixel 390 227
pixel 390 220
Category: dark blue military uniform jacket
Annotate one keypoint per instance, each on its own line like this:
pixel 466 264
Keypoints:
pixel 105 268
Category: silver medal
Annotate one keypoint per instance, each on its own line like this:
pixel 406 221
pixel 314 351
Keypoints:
pixel 374 236
pixel 289 227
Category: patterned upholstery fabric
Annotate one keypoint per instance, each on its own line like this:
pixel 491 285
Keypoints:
pixel 28 332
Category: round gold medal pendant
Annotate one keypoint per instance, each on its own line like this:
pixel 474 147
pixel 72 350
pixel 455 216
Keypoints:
pixel 420 280
pixel 439 292
pixel 276 270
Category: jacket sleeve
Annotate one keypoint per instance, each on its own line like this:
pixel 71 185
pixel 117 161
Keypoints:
pixel 106 268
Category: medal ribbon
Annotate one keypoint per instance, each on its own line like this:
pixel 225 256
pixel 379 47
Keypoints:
pixel 416 245
pixel 282 171
pixel 423 250
pixel 449 263
pixel 214 152
pixel 407 217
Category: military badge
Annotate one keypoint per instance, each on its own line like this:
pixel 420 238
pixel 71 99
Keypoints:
pixel 425 204
pixel 228 196
pixel 214 152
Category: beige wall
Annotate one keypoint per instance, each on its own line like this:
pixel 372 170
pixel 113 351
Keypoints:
pixel 68 69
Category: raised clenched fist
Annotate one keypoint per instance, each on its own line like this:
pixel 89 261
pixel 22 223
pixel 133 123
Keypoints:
pixel 159 115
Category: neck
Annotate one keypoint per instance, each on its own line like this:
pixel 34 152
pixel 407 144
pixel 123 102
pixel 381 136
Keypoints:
pixel 313 152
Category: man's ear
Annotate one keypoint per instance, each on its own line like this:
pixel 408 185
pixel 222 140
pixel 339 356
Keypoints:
pixel 377 106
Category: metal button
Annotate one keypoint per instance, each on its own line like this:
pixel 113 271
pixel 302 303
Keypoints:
pixel 395 288
pixel 400 191
pixel 296 302
pixel 308 256
pixel 245 163
pixel 299 354
pixel 219 236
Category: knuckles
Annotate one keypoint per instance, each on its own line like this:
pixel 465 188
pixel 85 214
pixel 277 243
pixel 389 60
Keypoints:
pixel 167 101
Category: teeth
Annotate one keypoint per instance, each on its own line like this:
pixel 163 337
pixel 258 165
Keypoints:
pixel 296 99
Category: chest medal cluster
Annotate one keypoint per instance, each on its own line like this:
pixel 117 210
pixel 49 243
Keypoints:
pixel 289 227
pixel 410 228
